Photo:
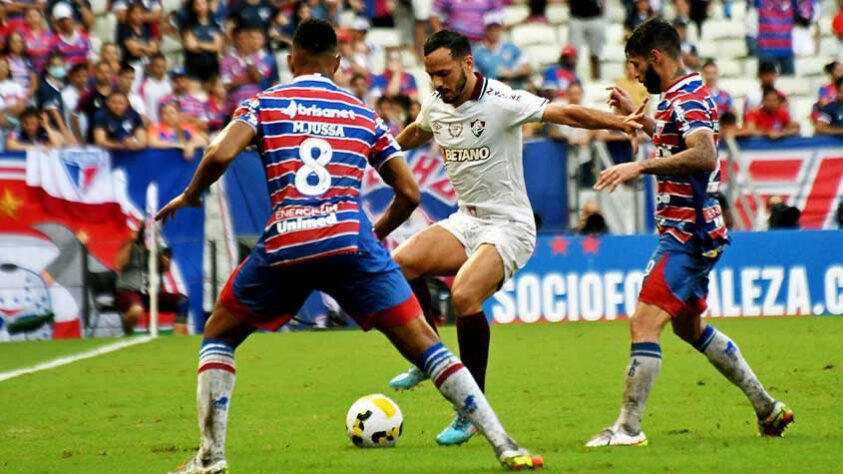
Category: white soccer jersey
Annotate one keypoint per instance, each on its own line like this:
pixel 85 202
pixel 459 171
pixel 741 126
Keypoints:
pixel 482 148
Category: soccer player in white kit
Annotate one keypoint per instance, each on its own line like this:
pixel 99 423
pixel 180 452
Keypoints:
pixel 477 122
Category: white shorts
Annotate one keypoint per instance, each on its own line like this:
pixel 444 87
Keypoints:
pixel 591 31
pixel 514 241
pixel 422 9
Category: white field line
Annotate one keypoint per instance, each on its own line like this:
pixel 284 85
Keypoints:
pixel 73 358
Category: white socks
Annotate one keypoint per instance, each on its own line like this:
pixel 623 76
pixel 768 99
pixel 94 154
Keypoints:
pixel 641 373
pixel 213 395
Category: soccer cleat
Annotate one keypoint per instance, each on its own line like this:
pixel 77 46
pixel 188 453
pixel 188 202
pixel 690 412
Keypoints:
pixel 198 466
pixel 458 432
pixel 616 437
pixel 409 379
pixel 520 459
pixel 777 422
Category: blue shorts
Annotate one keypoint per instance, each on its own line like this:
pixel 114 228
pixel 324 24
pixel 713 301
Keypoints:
pixel 676 279
pixel 367 284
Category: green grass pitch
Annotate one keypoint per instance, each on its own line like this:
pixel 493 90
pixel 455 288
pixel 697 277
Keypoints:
pixel 552 385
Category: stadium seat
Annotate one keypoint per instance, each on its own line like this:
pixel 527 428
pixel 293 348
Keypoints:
pixel 541 55
pixel 717 29
pixel 99 7
pixel 105 27
pixel 724 48
pixel 811 66
pixel 596 93
pixel 533 33
pixel 612 69
pixel 557 14
pixel 614 35
pixel 800 111
pixel 731 68
pixel 171 5
pixel 616 12
pixel 170 46
pixel 96 46
pixel 829 46
pixel 794 86
pixel 515 14
pixel 738 86
pixel 562 35
pixel 385 37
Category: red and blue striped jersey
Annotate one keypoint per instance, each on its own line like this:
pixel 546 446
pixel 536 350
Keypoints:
pixel 687 206
pixel 775 27
pixel 315 140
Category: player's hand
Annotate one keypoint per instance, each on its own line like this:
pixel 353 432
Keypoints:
pixel 633 123
pixel 621 100
pixel 178 202
pixel 612 177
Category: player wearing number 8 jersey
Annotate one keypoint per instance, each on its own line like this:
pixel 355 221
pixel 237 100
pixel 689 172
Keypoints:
pixel 315 141
pixel 477 122
pixel 692 235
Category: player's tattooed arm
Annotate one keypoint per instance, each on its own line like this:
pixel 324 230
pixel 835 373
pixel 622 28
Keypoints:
pixel 701 155
pixel 398 176
pixel 222 150
pixel 413 137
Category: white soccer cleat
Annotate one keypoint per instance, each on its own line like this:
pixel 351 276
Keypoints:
pixel 616 437
pixel 197 466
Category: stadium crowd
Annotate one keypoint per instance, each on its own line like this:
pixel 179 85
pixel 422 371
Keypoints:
pixel 167 75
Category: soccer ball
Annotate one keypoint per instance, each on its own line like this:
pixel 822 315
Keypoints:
pixel 374 421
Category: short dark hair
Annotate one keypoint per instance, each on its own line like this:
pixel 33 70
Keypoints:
pixel 838 83
pixel 708 63
pixel 316 37
pixel 30 112
pixel 767 67
pixel 155 56
pixel 654 33
pixel 829 68
pixel 454 42
pixel 358 76
pixel 770 90
pixel 116 92
pixel 78 67
pixel 728 118
pixel 124 68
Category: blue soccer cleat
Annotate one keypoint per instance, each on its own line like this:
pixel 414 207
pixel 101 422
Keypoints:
pixel 409 379
pixel 458 432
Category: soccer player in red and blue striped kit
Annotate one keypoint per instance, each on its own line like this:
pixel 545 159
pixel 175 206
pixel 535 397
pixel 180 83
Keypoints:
pixel 692 235
pixel 315 140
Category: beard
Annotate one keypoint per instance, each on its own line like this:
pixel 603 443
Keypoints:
pixel 457 90
pixel 652 81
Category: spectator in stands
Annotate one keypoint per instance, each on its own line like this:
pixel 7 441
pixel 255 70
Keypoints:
pixel 48 97
pixel 34 132
pixel 242 70
pixel 588 27
pixel 125 79
pixel 132 297
pixel 394 81
pixel 110 54
pixel 92 102
pixel 252 14
pixel 219 109
pixel 82 12
pixel 775 33
pixel 23 72
pixel 77 86
pixel 6 27
pixel 722 98
pixel 135 36
pixel 118 127
pixel 151 13
pixel 772 119
pixel 498 59
pixel 191 109
pixel 12 95
pixel 203 42
pixel 806 30
pixel 830 120
pixel 767 77
pixel 557 79
pixel 264 57
pixel 690 56
pixel 169 133
pixel 631 84
pixel 837 30
pixel 781 215
pixel 578 139
pixel 38 39
pixel 72 42
pixel 389 112
pixel 155 86
pixel 729 126
pixel 422 10
pixel 363 51
pixel 750 24
pixel 464 16
pixel 828 92
pixel 642 11
pixel 359 86
pixel 592 221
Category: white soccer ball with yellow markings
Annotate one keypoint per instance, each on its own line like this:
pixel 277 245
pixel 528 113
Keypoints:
pixel 374 421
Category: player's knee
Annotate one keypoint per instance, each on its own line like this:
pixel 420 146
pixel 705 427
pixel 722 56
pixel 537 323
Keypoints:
pixel 644 328
pixel 465 301
pixel 410 267
pixel 133 315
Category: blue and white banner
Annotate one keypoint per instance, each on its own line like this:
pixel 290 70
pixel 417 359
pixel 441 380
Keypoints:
pixel 773 273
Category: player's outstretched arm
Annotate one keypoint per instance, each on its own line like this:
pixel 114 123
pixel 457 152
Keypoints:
pixel 398 176
pixel 593 119
pixel 701 155
pixel 222 150
pixel 621 100
pixel 413 137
